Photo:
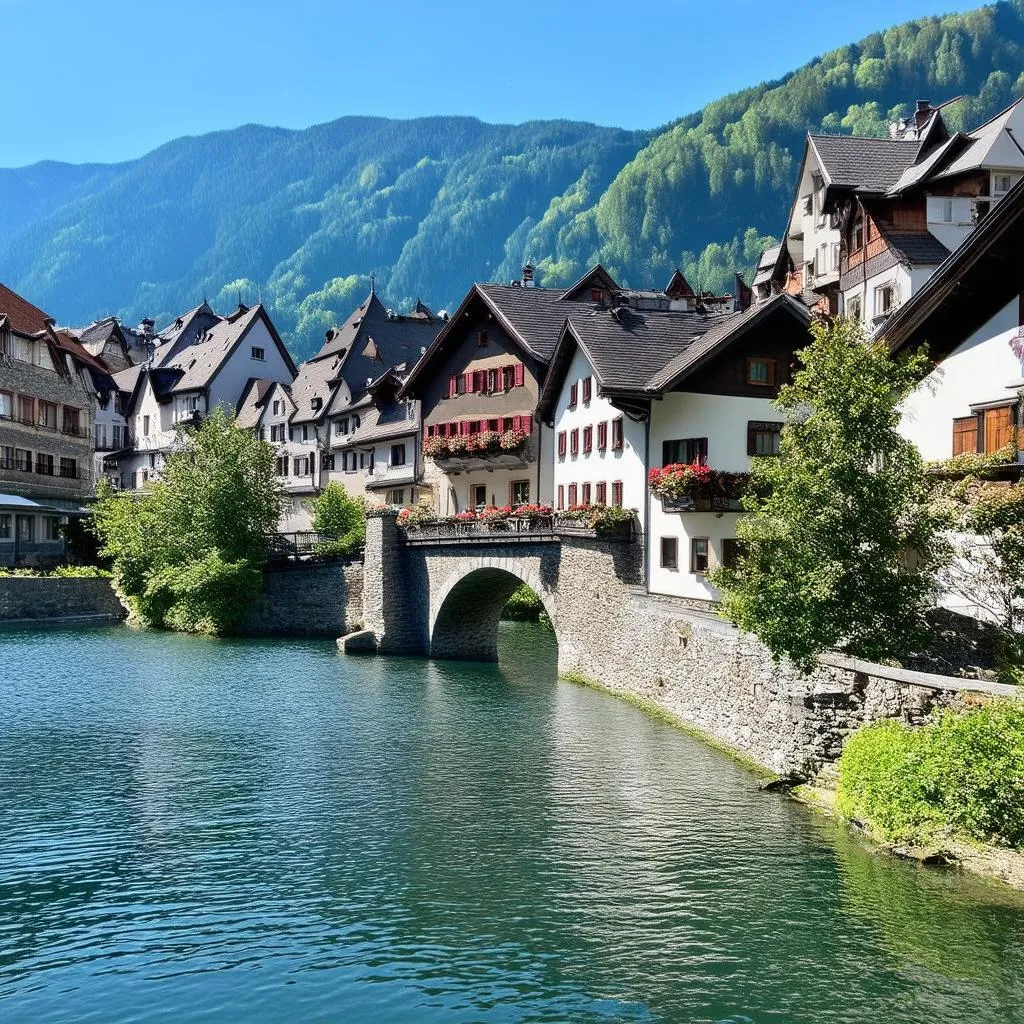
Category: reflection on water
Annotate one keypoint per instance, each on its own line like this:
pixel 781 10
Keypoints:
pixel 199 830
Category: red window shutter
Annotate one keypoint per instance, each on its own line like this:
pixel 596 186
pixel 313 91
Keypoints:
pixel 519 375
pixel 561 496
pixel 586 494
pixel 602 436
pixel 526 424
pixel 468 377
pixel 574 441
pixel 483 426
pixel 465 427
pixel 617 493
pixel 453 386
pixel 572 495
pixel 561 442
pixel 481 380
pixel 573 393
pixel 516 421
pixel 588 438
pixel 602 492
pixel 587 383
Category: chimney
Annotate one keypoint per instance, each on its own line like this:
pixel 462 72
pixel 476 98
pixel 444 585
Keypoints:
pixel 527 275
pixel 922 113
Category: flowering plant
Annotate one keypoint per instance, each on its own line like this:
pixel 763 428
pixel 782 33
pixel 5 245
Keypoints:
pixel 695 480
pixel 513 439
pixel 495 513
pixel 468 516
pixel 436 447
pixel 418 515
pixel 602 519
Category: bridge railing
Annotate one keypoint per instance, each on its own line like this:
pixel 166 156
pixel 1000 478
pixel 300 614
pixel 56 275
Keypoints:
pixel 300 545
pixel 513 528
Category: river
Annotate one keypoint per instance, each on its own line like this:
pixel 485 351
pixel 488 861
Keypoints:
pixel 199 830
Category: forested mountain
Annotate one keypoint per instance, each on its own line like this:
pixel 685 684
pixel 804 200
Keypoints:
pixel 304 217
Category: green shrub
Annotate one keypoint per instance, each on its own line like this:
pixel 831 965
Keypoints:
pixel 81 572
pixel 523 606
pixel 341 517
pixel 963 772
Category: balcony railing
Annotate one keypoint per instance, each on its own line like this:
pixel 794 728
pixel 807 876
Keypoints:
pixel 65 472
pixel 301 545
pixel 514 529
pixel 68 429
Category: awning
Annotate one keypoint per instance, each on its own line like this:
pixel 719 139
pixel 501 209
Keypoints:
pixel 392 481
pixel 20 504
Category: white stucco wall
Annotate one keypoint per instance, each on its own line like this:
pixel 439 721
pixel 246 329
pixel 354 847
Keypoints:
pixel 608 466
pixel 982 369
pixel 227 386
pixel 722 419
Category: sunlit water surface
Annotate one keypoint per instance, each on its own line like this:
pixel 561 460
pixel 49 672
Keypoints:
pixel 193 830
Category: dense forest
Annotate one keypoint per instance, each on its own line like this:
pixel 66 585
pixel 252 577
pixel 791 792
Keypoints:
pixel 303 218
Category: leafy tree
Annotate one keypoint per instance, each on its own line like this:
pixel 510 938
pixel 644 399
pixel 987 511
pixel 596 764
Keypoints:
pixel 341 517
pixel 188 553
pixel 838 539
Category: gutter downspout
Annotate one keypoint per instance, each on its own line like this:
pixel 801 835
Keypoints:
pixel 647 501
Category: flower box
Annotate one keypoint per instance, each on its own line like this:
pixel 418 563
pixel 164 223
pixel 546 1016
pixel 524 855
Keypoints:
pixel 696 487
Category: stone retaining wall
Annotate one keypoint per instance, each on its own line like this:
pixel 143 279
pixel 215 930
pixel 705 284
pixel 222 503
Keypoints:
pixel 318 599
pixel 54 598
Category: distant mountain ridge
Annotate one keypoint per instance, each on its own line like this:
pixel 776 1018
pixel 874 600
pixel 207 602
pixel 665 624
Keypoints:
pixel 302 218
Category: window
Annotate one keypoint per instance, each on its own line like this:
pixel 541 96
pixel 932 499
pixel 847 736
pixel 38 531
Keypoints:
pixel 601 493
pixel 145 426
pixel 732 551
pixel 884 299
pixel 258 353
pixel 763 437
pixel 574 442
pixel 669 553
pixel 561 498
pixel 519 492
pixel 51 528
pixel 305 431
pixel 595 294
pixel 602 435
pixel 23 460
pixel 5 526
pixel 699 547
pixel 72 421
pixel 282 465
pixel 26 528
pixel 761 372
pixel 493 383
pixel 277 406
pixel 588 439
pixel 685 449
pixel 588 387
pixel 68 467
pixel 1001 184
pixel 561 444
pixel 26 409
pixel 301 466
pixel 617 433
pixel 585 494
pixel 44 464
pixel 508 377
pixel 478 495
pixel 48 415
pixel 6 405
pixel 573 396
pixel 481 338
pixel 853 308
pixel 398 455
pixel 857 234
pixel 341 426
pixel 834 258
pixel 572 495
pixel 116 431
pixel 397 496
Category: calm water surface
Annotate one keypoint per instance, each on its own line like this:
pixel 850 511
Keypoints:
pixel 194 830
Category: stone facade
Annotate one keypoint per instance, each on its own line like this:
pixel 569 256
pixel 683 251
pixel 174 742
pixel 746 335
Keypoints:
pixel 320 599
pixel 445 599
pixel 27 598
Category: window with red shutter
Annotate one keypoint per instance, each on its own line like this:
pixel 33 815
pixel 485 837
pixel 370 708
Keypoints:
pixel 467 382
pixel 520 375
pixel 526 425
pixel 465 427
pixel 508 374
pixel 585 494
pixel 572 495
pixel 453 386
pixel 588 438
pixel 587 386
pixel 506 423
pixel 601 492
pixel 517 422
pixel 574 442
pixel 494 425
pixel 561 496
pixel 573 393
pixel 561 443
pixel 602 436
pixel 617 432
pixel 617 493
pixel 493 378
pixel 481 381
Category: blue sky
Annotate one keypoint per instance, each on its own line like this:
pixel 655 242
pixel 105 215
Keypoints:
pixel 107 80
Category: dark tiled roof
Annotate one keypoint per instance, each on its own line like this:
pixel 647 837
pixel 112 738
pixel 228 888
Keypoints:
pixel 869 165
pixel 917 246
pixel 725 330
pixel 315 380
pixel 22 316
pixel 200 361
pixel 627 351
pixel 766 264
pixel 378 423
pixel 535 314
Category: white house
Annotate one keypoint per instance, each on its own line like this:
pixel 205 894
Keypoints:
pixel 630 391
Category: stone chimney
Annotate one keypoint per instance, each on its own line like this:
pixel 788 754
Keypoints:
pixel 528 275
pixel 922 113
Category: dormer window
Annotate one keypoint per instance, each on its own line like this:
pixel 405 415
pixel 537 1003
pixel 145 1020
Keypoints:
pixel 761 372
pixel 595 294
pixel 316 402
pixel 481 338
pixel 258 353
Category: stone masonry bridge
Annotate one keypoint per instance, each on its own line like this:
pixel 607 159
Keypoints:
pixel 443 596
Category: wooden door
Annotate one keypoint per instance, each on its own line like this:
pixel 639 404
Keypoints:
pixel 999 424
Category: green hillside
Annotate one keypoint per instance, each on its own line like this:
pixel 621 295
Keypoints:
pixel 304 217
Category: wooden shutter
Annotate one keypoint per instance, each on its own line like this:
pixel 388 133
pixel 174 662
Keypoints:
pixel 586 494
pixel 561 442
pixel 561 496
pixel 572 495
pixel 588 438
pixel 965 435
pixel 602 492
pixel 999 424
pixel 573 394
pixel 467 379
pixel 617 493
pixel 481 380
pixel 519 375
pixel 526 424
pixel 574 441
pixel 602 435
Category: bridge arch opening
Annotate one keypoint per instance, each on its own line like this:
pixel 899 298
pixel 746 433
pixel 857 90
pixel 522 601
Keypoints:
pixel 466 613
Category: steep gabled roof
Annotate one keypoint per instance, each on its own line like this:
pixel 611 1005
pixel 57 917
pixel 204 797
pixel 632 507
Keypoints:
pixel 767 264
pixel 253 401
pixel 595 277
pixel 721 335
pixel 183 331
pixel 992 144
pixel 863 164
pixel 624 346
pixel 21 315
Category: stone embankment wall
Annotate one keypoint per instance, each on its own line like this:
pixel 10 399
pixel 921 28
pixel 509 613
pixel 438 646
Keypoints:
pixel 316 599
pixel 45 598
pixel 702 670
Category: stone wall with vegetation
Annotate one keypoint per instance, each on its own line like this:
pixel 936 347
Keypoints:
pixel 316 599
pixel 42 598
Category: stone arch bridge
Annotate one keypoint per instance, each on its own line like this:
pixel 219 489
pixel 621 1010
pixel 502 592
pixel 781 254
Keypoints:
pixel 443 596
